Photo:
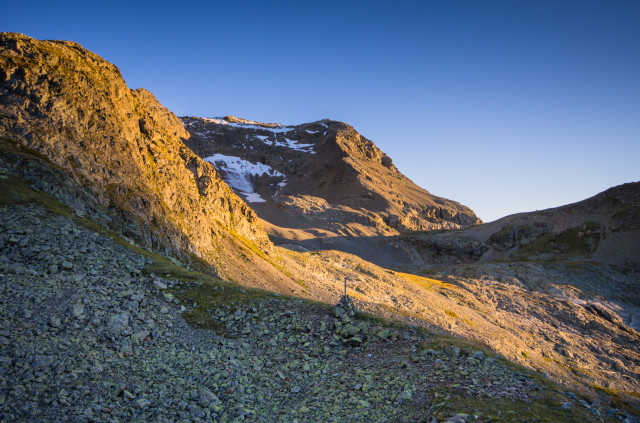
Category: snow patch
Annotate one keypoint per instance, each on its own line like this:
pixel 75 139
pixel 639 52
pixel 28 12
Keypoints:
pixel 295 145
pixel 254 197
pixel 286 142
pixel 238 174
pixel 278 129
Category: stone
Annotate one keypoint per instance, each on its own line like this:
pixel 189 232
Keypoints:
pixel 126 394
pixel 345 308
pixel 40 362
pixel 77 310
pixel 196 412
pixel 142 403
pixel 55 322
pixel 478 355
pixel 118 324
pixel 404 396
pixel 159 284
pixel 383 334
pixel 206 398
pixel 139 336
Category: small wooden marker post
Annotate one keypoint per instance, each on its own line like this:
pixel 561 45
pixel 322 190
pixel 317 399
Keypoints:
pixel 347 279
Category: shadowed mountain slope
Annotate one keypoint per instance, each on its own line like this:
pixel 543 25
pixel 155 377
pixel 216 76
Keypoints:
pixel 319 182
pixel 604 228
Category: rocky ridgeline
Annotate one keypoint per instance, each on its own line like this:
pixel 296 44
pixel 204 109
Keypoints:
pixel 601 229
pixel 75 110
pixel 87 337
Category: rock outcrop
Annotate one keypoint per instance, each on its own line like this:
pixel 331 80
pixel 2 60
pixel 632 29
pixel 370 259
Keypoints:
pixel 74 109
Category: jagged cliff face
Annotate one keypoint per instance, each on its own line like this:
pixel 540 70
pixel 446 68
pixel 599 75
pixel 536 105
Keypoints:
pixel 74 108
pixel 320 180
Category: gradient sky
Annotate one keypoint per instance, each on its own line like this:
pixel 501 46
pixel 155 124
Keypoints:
pixel 505 106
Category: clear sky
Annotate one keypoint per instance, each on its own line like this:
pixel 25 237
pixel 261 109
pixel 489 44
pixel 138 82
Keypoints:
pixel 505 106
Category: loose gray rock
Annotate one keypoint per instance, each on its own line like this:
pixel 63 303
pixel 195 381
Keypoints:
pixel 118 324
pixel 77 310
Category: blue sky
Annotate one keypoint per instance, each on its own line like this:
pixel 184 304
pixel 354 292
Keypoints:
pixel 504 106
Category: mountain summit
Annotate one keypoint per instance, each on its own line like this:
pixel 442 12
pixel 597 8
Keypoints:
pixel 318 182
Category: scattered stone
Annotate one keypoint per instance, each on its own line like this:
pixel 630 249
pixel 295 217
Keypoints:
pixel 55 322
pixel 77 310
pixel 207 398
pixel 118 324
pixel 269 355
pixel 159 284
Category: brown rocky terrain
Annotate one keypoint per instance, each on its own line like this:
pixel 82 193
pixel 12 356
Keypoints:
pixel 321 185
pixel 554 290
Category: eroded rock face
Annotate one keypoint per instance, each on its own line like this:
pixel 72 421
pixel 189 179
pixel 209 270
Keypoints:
pixel 320 176
pixel 74 108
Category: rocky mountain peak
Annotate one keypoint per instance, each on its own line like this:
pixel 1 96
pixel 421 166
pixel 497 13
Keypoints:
pixel 319 177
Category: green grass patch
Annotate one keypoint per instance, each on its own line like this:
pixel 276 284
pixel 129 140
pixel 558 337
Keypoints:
pixel 204 298
pixel 17 190
pixel 546 409
pixel 622 400
pixel 450 313
pixel 626 219
pixel 578 241
pixel 499 236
